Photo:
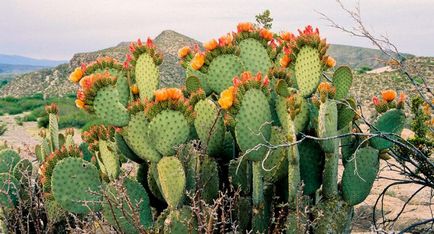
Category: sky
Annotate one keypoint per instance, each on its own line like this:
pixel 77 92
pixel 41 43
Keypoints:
pixel 56 29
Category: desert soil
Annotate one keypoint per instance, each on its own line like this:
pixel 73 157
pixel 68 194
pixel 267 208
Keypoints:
pixel 420 207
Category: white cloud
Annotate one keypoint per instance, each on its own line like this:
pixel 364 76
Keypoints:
pixel 59 28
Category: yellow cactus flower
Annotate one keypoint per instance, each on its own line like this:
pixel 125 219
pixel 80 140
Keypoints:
pixel 198 61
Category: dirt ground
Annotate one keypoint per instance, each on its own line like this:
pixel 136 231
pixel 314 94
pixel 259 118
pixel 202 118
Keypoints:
pixel 419 208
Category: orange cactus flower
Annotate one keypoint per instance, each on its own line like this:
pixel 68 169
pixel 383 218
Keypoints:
pixel 210 45
pixel 245 27
pixel 284 61
pixel 79 103
pixel 287 36
pixel 246 76
pixel 161 95
pixel 324 87
pixel 80 94
pixel 330 62
pixel 226 39
pixel 76 75
pixel 134 89
pixel 227 98
pixel 388 95
pixel 184 51
pixel 174 93
pixel 266 34
pixel 198 61
pixel 86 82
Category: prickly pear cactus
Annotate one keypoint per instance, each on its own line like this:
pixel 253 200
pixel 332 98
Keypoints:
pixel 8 159
pixel 124 204
pixel 76 186
pixel 9 190
pixel 172 180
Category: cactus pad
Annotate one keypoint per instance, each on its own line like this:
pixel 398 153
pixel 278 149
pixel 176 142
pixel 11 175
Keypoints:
pixel 327 125
pixel 75 184
pixel 253 123
pixel 390 122
pixel 221 71
pixel 172 180
pixel 136 136
pixel 359 175
pixel 8 159
pixel 209 126
pixel 276 164
pixel 147 76
pixel 346 113
pixel 23 171
pixel 119 201
pixel 209 180
pixel 202 77
pixel 9 190
pixel 192 84
pixel 241 178
pixel 108 108
pixel 181 221
pixel 342 80
pixel 308 70
pixel 108 160
pixel 254 56
pixel 311 165
pixel 168 130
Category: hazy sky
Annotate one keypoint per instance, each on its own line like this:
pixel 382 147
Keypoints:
pixel 56 29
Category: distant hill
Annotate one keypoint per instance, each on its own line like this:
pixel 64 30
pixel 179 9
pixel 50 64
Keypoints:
pixel 21 60
pixel 54 81
pixel 17 69
pixel 358 57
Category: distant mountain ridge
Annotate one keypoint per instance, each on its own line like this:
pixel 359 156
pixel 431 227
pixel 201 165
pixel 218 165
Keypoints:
pixel 54 81
pixel 21 60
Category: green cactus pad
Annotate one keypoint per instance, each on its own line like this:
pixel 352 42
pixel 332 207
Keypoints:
pixel 55 213
pixel 209 180
pixel 117 206
pixel 153 186
pixel 9 190
pixel 346 113
pixel 390 122
pixel 181 221
pixel 359 175
pixel 125 150
pixel 331 214
pixel 23 171
pixel 342 80
pixel 84 148
pixel 74 183
pixel 122 85
pixel 172 180
pixel 136 136
pixel 222 70
pixel 53 127
pixel 168 130
pixel 241 178
pixel 327 125
pixel 108 160
pixel 281 88
pixel 40 155
pixel 254 56
pixel 276 164
pixel 253 123
pixel 147 76
pixel 108 108
pixel 307 70
pixel 203 79
pixel 243 212
pixel 311 165
pixel 8 159
pixel 192 84
pixel 209 126
pixel 301 119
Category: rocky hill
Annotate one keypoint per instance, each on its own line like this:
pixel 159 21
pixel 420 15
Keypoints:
pixel 54 81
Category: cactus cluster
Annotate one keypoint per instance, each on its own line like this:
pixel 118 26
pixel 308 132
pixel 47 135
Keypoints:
pixel 256 114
